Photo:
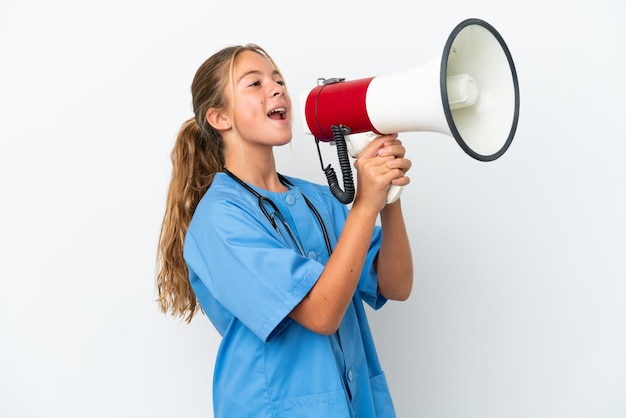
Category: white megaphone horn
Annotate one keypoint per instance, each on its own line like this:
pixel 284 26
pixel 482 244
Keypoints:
pixel 471 93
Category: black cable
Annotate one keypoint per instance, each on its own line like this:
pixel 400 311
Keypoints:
pixel 344 196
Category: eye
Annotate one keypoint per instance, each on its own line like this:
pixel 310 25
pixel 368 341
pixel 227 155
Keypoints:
pixel 281 82
pixel 254 84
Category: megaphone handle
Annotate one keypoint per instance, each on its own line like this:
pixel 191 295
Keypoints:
pixel 394 193
pixel 356 144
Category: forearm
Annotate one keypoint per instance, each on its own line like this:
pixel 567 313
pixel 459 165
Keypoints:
pixel 325 305
pixel 395 262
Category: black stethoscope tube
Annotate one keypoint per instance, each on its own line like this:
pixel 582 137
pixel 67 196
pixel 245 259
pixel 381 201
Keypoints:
pixel 271 217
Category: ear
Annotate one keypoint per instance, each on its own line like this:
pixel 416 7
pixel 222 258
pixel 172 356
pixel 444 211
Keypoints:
pixel 218 119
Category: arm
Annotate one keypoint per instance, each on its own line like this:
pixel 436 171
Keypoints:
pixel 380 165
pixel 395 262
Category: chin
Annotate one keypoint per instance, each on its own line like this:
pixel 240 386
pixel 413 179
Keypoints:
pixel 284 142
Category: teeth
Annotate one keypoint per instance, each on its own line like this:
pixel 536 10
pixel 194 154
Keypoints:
pixel 278 110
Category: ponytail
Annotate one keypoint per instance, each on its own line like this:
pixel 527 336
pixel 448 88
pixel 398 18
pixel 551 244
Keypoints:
pixel 195 160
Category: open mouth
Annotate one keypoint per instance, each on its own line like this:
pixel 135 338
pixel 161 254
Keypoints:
pixel 280 113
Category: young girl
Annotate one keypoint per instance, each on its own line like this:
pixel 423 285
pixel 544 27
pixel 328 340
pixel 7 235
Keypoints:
pixel 279 266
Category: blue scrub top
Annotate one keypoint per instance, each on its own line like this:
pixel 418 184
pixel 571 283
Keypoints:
pixel 247 280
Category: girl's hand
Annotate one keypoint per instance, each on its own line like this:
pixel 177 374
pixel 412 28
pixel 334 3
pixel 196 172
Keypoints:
pixel 380 165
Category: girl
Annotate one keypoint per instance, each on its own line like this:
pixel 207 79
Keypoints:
pixel 279 266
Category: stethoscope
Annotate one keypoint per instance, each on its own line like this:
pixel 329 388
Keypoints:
pixel 277 214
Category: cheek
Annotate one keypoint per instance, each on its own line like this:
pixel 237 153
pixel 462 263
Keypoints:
pixel 244 109
pixel 289 105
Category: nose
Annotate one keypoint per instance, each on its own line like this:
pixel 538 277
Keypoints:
pixel 279 90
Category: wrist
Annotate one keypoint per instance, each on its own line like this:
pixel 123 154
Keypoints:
pixel 392 207
pixel 364 212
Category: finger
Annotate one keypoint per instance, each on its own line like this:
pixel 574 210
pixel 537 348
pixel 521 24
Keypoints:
pixel 401 181
pixel 376 144
pixel 399 163
pixel 372 149
pixel 394 148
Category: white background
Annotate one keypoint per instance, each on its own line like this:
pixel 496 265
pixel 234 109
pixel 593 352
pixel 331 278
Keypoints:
pixel 519 304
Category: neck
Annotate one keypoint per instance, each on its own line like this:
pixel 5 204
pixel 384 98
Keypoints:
pixel 259 173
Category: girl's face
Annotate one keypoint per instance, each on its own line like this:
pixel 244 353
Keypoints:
pixel 262 113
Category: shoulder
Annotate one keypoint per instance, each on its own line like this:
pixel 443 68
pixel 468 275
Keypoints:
pixel 225 191
pixel 224 201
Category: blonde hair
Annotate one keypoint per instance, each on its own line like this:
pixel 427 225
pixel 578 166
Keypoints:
pixel 197 155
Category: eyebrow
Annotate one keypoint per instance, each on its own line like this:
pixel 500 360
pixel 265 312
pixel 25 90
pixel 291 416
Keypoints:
pixel 256 72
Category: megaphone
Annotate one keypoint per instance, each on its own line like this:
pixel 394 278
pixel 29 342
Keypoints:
pixel 470 93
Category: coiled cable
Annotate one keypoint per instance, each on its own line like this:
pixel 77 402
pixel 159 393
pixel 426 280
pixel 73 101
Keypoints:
pixel 344 196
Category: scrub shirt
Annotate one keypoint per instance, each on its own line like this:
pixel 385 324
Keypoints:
pixel 248 278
